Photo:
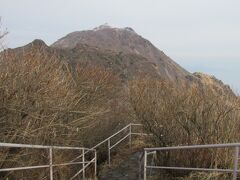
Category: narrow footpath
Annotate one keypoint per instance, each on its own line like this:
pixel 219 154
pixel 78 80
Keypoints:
pixel 128 169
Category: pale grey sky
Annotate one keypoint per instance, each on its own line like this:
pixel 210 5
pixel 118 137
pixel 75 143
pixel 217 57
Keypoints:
pixel 200 35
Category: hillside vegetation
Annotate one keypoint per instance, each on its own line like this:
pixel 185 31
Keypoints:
pixel 44 101
pixel 77 96
pixel 176 116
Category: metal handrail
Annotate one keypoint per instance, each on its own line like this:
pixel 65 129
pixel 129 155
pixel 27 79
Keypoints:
pixel 51 164
pixel 194 147
pixel 108 140
pixel 83 149
pixel 141 160
pixel 105 140
pixel 234 171
pixel 13 145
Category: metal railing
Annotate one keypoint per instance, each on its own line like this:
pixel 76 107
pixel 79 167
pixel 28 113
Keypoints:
pixel 129 134
pixel 128 130
pixel 51 164
pixel 234 171
pixel 140 162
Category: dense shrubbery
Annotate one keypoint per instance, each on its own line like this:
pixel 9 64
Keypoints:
pixel 180 116
pixel 44 101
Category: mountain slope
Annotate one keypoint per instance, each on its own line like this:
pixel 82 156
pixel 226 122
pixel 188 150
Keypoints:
pixel 126 66
pixel 122 51
pixel 213 83
pixel 127 41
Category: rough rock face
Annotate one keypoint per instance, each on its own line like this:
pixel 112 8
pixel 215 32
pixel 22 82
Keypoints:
pixel 127 41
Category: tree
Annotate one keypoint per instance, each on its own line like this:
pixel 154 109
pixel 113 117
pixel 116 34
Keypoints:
pixel 3 33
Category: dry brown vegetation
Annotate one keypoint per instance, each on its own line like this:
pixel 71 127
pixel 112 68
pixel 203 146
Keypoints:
pixel 44 101
pixel 177 116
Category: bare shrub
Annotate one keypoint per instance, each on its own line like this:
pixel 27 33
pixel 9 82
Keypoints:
pixel 3 33
pixel 179 116
pixel 43 101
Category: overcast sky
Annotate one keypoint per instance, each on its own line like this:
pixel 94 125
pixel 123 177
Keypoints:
pixel 200 35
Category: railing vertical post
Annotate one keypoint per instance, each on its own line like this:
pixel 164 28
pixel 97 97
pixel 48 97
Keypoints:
pixel 236 163
pixel 95 164
pixel 145 166
pixel 140 170
pixel 109 152
pixel 83 161
pixel 152 163
pixel 130 136
pixel 50 163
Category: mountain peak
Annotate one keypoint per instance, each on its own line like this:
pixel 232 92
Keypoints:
pixel 129 29
pixel 106 37
pixel 107 26
pixel 38 42
pixel 103 26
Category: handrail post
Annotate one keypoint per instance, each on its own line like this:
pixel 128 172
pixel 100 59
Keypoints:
pixel 236 163
pixel 130 136
pixel 95 164
pixel 51 163
pixel 83 161
pixel 140 166
pixel 140 170
pixel 109 152
pixel 152 163
pixel 145 165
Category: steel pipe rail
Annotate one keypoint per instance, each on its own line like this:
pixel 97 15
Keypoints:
pixel 194 147
pixel 102 142
pixel 192 169
pixel 51 165
pixel 129 127
pixel 84 150
pixel 122 139
pixel 108 140
pixel 13 145
pixel 24 168
pixel 105 140
pixel 234 171
pixel 75 175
